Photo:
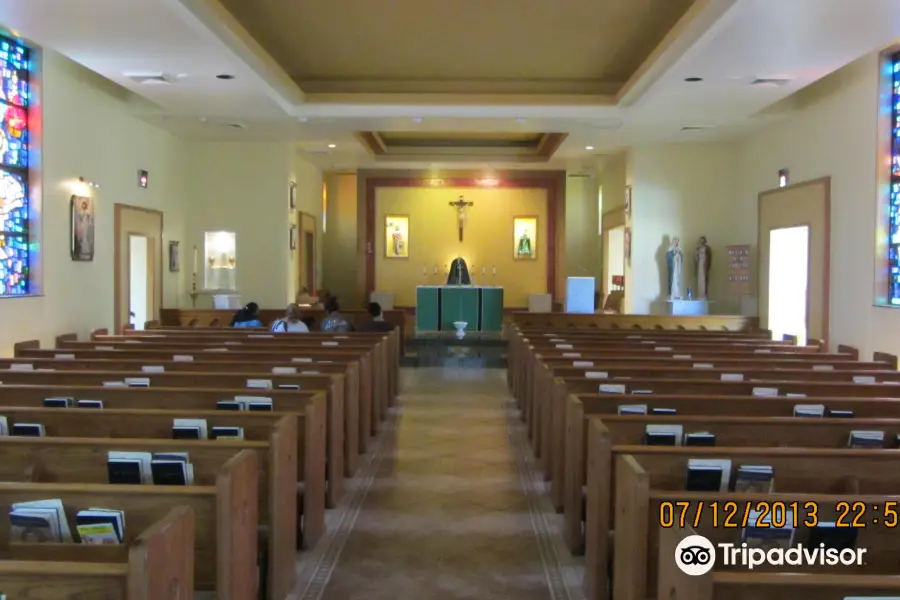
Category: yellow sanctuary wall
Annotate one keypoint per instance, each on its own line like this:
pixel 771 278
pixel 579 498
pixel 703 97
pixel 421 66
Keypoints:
pixel 487 240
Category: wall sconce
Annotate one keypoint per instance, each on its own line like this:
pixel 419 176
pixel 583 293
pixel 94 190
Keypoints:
pixel 88 183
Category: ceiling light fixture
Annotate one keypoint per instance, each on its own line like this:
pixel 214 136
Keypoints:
pixel 520 121
pixel 588 147
pixel 225 76
pixel 303 119
pixel 693 79
pixel 417 120
pixel 332 145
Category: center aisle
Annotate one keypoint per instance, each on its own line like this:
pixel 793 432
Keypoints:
pixel 447 507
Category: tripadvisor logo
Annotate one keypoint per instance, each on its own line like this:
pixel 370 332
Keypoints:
pixel 695 555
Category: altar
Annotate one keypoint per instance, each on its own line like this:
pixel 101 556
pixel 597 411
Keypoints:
pixel 439 306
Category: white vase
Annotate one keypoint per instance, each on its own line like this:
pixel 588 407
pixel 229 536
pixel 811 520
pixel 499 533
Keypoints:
pixel 460 329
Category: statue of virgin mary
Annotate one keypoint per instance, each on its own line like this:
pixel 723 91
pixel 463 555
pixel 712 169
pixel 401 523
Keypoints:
pixel 675 264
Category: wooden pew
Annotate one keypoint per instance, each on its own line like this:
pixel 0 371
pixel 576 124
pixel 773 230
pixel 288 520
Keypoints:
pixel 742 585
pixel 189 399
pixel 267 427
pixel 224 515
pixel 642 470
pixel 83 461
pixel 157 563
pixel 332 385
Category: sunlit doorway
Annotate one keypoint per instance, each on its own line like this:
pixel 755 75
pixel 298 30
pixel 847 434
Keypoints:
pixel 139 280
pixel 788 281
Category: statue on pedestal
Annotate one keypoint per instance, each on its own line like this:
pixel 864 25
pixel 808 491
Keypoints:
pixel 459 273
pixel 675 264
pixel 702 262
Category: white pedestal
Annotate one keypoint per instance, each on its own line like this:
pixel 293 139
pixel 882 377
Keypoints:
pixel 226 301
pixel 540 303
pixel 580 295
pixel 687 308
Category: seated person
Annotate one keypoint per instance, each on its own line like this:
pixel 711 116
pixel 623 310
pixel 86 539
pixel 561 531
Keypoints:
pixel 247 317
pixel 377 324
pixel 291 322
pixel 333 321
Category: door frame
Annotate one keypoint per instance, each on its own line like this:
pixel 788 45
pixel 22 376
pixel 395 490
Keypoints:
pixel 302 217
pixel 129 235
pixel 826 275
pixel 118 208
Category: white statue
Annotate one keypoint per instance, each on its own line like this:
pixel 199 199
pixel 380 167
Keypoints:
pixel 675 263
pixel 702 262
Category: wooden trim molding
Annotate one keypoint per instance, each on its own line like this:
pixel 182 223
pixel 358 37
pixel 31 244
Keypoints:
pixel 547 181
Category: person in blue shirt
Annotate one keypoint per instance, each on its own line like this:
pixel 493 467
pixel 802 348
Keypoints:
pixel 334 321
pixel 247 317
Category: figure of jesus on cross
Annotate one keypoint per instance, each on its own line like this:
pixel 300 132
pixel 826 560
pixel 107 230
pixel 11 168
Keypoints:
pixel 460 206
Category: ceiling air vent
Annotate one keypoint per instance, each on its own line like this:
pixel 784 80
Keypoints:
pixel 150 78
pixel 695 128
pixel 236 126
pixel 770 81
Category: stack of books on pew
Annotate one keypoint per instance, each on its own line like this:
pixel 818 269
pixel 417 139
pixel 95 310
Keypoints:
pixel 866 439
pixel 708 475
pixel 44 521
pixel 68 402
pixel 144 468
pixel 755 479
pixel 762 533
pixel 663 435
pixel 196 429
pixel 246 403
pixel 699 438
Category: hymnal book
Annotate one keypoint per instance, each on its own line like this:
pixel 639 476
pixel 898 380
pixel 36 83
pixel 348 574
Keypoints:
pixel 823 367
pixel 648 341
pixel 260 336
pixel 28 430
pixel 632 409
pixel 582 363
pixel 646 392
pixel 612 388
pixel 58 402
pixel 700 438
pixel 229 405
pixel 795 395
pixel 708 475
pixel 809 410
pixel 558 346
pixel 4 426
pixel 659 411
pixel 289 386
pixel 263 405
pixel 114 384
pixel 596 374
pixel 663 348
pixel 831 536
pixel 137 381
pixel 189 429
pixel 863 379
pixel 64 356
pixel 681 356
pixel 129 468
pixel 761 533
pixel 283 371
pixel 571 354
pixel 336 343
pixel 764 391
pixel 762 351
pixel 89 404
pixel 226 432
pixel 663 435
pixel 229 343
pixel 259 384
pixel 39 521
pixel 132 342
pixel 633 337
pixel 731 377
pixel 21 367
pixel 557 341
pixel 172 469
pixel 704 366
pixel 182 358
pixel 301 360
pixel 105 348
pixel 866 439
pixel 153 369
pixel 100 526
pixel 840 414
pixel 216 349
pixel 326 361
pixel 313 372
pixel 755 479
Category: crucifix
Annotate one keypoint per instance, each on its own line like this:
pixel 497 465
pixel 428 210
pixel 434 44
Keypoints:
pixel 460 206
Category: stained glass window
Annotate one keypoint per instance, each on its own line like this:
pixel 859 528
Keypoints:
pixel 15 250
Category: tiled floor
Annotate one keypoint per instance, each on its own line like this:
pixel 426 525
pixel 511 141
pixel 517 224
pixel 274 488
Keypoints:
pixel 447 507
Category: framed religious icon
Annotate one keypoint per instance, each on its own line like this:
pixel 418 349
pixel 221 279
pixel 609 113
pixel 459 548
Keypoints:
pixel 627 244
pixel 81 235
pixel 627 200
pixel 174 258
pixel 525 238
pixel 396 236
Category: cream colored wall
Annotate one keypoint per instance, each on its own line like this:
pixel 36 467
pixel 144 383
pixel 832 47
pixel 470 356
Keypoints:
pixel 341 269
pixel 488 240
pixel 613 179
pixel 833 131
pixel 684 190
pixel 243 187
pixel 88 131
pixel 308 199
pixel 582 256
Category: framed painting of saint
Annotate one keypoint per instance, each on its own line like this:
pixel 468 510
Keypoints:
pixel 525 238
pixel 396 236
pixel 82 230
